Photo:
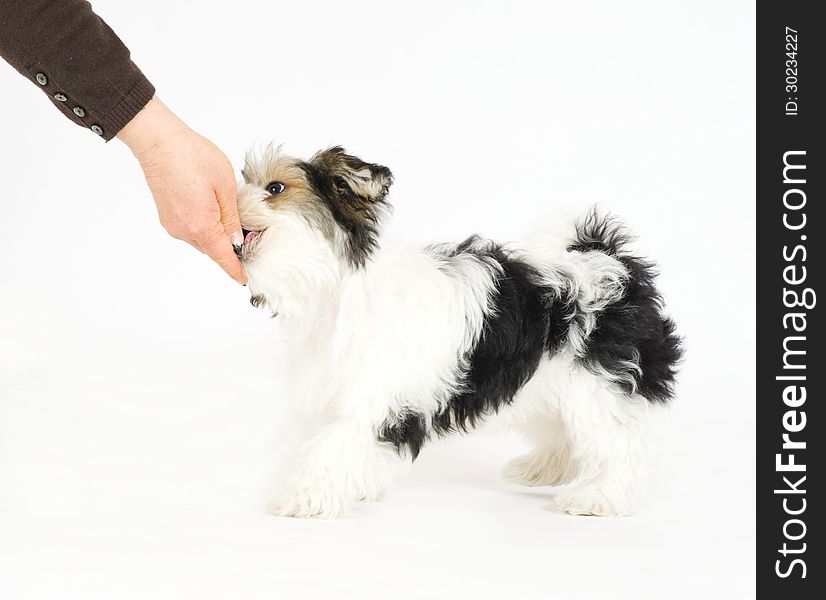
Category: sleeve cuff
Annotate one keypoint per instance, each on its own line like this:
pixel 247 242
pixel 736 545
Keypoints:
pixel 126 108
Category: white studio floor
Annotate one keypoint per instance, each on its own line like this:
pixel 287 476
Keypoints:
pixel 139 487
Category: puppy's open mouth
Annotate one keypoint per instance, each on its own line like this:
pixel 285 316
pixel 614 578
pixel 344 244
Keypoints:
pixel 250 235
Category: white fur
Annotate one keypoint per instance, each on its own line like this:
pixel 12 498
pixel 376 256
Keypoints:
pixel 585 433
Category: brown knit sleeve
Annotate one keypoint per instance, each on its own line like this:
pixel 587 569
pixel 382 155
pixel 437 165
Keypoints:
pixel 65 49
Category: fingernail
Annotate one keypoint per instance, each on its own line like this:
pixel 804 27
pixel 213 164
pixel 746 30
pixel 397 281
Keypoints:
pixel 237 238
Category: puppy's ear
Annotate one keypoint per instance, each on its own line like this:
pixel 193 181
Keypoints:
pixel 350 176
pixel 355 193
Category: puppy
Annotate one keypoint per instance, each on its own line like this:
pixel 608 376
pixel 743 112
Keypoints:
pixel 564 340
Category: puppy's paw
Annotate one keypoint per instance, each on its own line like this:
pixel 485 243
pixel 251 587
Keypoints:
pixel 366 497
pixel 309 499
pixel 592 502
pixel 540 468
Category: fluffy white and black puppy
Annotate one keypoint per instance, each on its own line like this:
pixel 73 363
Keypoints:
pixel 564 339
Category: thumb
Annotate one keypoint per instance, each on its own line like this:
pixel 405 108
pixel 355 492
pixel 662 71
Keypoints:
pixel 215 244
pixel 227 201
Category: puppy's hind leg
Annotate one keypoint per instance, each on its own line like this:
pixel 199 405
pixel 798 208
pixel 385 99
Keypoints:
pixel 608 432
pixel 344 464
pixel 550 462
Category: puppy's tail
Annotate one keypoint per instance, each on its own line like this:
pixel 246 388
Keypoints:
pixel 629 337
pixel 601 232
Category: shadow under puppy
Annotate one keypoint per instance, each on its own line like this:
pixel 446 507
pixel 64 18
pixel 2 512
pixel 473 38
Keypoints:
pixel 564 339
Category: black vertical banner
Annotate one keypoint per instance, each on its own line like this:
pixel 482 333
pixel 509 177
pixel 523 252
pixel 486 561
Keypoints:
pixel 791 226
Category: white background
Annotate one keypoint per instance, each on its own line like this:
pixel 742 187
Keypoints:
pixel 143 416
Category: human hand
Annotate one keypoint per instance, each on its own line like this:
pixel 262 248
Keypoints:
pixel 191 181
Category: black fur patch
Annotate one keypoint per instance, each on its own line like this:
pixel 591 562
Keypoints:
pixel 410 431
pixel 515 334
pixel 334 177
pixel 526 319
pixel 257 300
pixel 634 329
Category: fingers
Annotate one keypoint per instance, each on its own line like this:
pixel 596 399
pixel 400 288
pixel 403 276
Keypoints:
pixel 228 202
pixel 215 243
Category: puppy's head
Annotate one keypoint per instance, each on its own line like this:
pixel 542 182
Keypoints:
pixel 306 219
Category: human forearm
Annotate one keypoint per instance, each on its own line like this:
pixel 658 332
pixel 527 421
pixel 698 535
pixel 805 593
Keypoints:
pixel 150 127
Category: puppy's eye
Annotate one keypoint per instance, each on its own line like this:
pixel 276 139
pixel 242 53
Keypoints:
pixel 276 187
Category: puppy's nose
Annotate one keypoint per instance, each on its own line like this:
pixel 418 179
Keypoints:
pixel 238 250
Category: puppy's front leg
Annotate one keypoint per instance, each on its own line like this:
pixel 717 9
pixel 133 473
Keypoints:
pixel 343 464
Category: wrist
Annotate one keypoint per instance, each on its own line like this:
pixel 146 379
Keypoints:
pixel 153 125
